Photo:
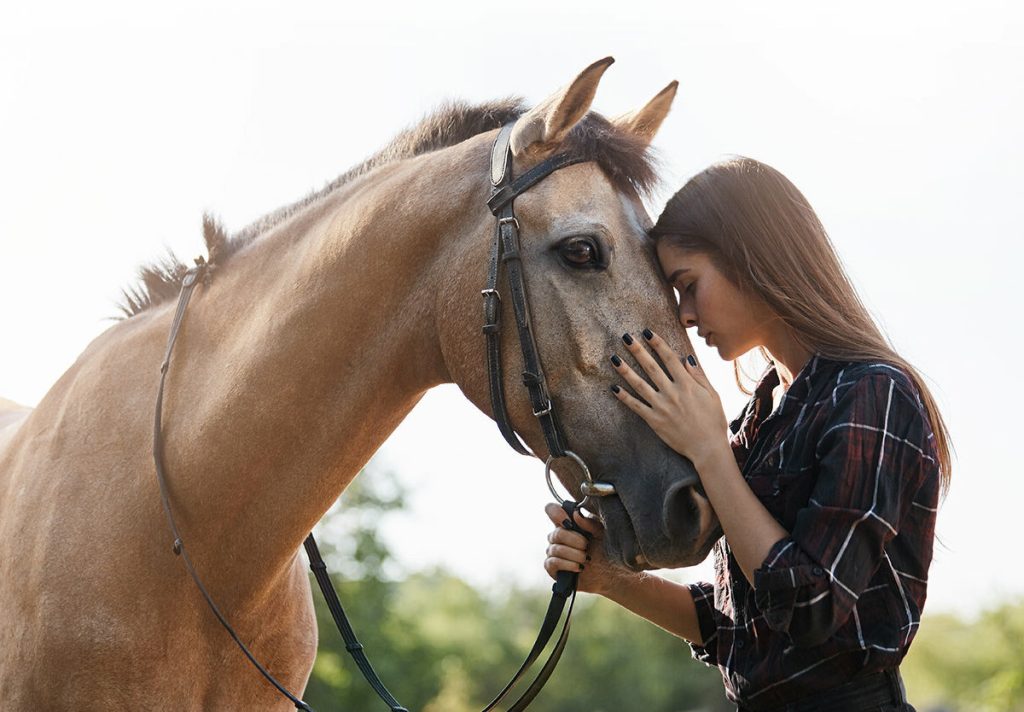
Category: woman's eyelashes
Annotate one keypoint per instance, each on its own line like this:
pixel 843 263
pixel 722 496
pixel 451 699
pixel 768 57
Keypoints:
pixel 686 288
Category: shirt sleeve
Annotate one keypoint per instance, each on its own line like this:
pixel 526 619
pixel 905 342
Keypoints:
pixel 872 454
pixel 704 601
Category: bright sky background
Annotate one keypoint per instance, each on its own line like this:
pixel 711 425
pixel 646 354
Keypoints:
pixel 901 122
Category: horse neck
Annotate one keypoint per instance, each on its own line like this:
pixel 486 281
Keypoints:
pixel 304 353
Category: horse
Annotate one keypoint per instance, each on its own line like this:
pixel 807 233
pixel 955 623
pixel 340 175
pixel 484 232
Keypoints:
pixel 318 329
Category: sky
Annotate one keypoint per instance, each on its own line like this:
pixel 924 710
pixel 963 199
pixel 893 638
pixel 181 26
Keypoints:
pixel 120 124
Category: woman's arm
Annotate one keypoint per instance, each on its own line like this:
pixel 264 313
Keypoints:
pixel 667 604
pixel 749 527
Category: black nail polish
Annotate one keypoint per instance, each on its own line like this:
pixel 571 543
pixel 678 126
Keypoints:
pixel 648 334
pixel 627 339
pixel 692 360
pixel 588 557
pixel 566 523
pixel 616 361
pixel 615 388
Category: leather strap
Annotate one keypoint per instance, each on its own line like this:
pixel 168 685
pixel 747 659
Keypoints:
pixel 187 287
pixel 564 589
pixel 352 644
pixel 505 251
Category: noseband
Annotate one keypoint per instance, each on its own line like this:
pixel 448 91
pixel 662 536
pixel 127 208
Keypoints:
pixel 504 252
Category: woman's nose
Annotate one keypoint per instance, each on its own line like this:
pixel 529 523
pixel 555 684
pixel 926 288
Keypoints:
pixel 687 316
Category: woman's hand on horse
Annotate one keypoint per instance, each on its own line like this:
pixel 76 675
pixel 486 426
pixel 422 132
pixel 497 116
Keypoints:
pixel 681 406
pixel 571 551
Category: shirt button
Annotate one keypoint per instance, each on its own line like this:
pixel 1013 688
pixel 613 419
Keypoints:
pixel 817 571
pixel 740 643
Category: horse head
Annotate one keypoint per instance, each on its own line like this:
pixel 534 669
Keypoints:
pixel 591 274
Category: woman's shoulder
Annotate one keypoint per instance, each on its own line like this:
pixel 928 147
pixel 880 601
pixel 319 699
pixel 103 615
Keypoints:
pixel 876 389
pixel 849 376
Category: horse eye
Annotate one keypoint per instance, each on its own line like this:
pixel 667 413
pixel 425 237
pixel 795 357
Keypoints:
pixel 580 251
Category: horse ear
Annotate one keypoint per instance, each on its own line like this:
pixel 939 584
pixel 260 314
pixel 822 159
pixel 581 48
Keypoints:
pixel 547 124
pixel 645 122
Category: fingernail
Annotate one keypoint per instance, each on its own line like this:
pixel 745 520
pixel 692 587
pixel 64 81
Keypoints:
pixel 616 361
pixel 648 334
pixel 566 523
pixel 588 557
pixel 692 360
pixel 581 567
pixel 627 339
pixel 615 388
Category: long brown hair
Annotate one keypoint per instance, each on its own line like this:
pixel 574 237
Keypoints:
pixel 761 232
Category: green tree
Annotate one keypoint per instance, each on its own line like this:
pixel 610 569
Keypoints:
pixel 442 646
pixel 969 665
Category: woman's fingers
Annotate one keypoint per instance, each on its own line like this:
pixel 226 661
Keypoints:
pixel 555 513
pixel 651 367
pixel 553 565
pixel 641 387
pixel 694 369
pixel 567 537
pixel 561 535
pixel 567 553
pixel 668 357
pixel 632 402
pixel 588 524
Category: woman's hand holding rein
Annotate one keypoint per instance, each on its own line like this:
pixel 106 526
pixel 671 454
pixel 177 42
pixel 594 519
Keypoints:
pixel 664 603
pixel 571 551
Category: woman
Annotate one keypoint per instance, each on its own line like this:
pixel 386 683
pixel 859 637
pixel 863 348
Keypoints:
pixel 828 482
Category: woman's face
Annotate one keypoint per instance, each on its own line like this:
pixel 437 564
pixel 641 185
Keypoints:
pixel 726 317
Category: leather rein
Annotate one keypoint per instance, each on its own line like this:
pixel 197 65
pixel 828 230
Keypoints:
pixel 505 253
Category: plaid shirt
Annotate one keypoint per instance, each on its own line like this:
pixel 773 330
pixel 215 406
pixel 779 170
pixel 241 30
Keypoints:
pixel 847 465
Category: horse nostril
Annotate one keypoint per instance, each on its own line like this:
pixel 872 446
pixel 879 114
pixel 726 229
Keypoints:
pixel 680 515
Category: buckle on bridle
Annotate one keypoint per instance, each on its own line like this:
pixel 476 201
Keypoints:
pixel 543 411
pixel 494 292
pixel 510 220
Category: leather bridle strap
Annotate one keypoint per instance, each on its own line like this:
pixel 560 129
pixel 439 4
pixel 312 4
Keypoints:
pixel 352 644
pixel 316 562
pixel 187 287
pixel 564 589
pixel 505 252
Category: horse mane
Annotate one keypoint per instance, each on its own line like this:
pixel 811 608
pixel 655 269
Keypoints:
pixel 625 159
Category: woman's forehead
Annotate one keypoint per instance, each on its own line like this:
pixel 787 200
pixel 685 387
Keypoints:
pixel 680 257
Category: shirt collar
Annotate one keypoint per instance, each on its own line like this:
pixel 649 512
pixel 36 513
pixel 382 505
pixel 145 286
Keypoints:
pixel 760 405
pixel 799 389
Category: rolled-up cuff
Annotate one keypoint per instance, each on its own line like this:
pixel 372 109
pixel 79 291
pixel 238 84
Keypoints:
pixel 704 601
pixel 780 579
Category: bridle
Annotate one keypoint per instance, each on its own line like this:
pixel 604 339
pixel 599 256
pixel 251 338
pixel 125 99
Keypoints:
pixel 505 251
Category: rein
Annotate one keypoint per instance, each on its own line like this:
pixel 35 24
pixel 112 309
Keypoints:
pixel 504 252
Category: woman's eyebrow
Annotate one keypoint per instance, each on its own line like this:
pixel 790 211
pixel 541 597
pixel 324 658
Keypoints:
pixel 672 277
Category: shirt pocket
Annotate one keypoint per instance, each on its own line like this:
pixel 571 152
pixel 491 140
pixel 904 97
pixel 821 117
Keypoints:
pixel 782 490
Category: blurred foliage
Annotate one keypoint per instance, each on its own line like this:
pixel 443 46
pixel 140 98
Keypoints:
pixel 442 646
pixel 969 665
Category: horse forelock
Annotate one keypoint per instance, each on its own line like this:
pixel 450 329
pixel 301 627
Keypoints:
pixel 626 159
